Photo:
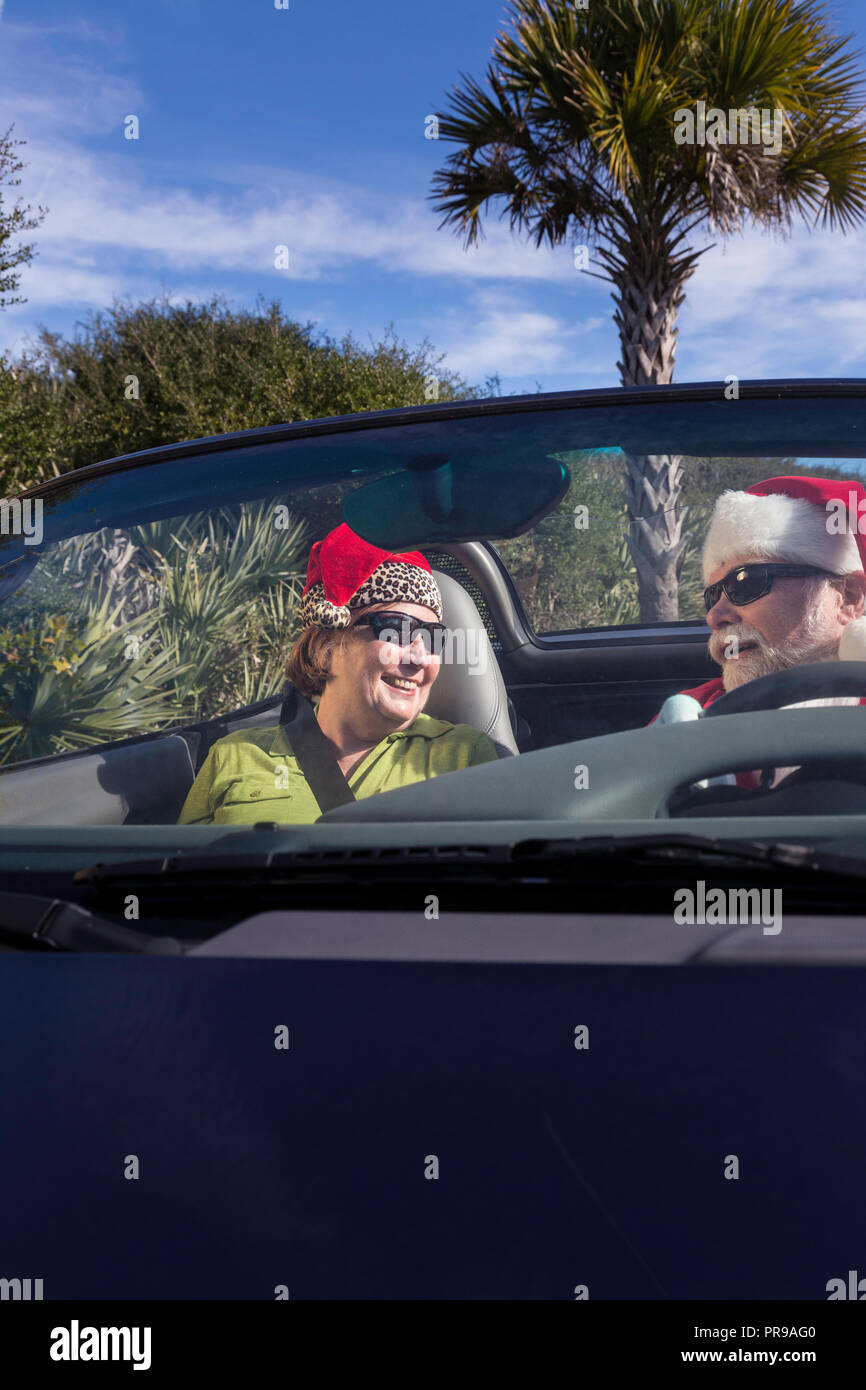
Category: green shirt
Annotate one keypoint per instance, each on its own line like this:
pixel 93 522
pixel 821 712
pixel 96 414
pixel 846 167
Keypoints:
pixel 252 775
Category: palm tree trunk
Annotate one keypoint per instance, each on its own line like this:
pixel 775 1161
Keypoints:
pixel 649 278
pixel 656 541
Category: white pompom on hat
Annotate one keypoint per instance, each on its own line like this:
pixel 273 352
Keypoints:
pixel 678 709
pixel 852 647
pixel 810 521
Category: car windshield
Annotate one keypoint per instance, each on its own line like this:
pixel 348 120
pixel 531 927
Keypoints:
pixel 148 608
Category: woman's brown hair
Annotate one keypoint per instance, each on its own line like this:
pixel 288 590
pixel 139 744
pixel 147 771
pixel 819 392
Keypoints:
pixel 309 662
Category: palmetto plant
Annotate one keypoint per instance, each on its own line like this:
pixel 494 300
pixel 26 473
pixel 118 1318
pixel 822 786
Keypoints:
pixel 127 632
pixel 66 685
pixel 573 133
pixel 228 587
pixel 620 603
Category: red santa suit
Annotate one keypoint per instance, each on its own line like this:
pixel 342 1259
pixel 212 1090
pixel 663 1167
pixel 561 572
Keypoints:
pixel 813 521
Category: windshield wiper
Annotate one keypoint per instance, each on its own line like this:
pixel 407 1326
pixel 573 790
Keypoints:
pixel 705 851
pixel 67 927
pixel 606 853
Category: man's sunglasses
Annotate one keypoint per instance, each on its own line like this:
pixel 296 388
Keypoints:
pixel 403 630
pixel 747 583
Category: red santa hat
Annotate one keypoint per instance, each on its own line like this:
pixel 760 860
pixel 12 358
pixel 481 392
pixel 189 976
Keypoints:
pixel 810 521
pixel 345 573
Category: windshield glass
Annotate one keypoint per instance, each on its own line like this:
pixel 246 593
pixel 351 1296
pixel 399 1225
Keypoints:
pixel 574 570
pixel 132 630
pixel 149 621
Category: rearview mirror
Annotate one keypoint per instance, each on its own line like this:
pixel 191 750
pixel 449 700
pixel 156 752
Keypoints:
pixel 437 498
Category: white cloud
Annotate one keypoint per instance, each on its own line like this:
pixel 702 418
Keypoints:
pixel 764 306
pixel 54 79
pixel 495 330
pixel 105 206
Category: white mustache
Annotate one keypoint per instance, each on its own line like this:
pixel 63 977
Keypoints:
pixel 741 635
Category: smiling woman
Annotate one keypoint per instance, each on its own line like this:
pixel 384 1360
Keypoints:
pixel 369 653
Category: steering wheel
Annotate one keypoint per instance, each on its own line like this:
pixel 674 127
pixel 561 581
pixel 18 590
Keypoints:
pixel 812 682
pixel 810 787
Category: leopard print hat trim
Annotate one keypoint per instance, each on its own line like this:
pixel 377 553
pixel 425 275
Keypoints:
pixel 391 582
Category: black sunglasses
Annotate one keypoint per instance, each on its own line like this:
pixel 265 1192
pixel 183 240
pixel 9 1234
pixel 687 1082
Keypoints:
pixel 402 630
pixel 747 583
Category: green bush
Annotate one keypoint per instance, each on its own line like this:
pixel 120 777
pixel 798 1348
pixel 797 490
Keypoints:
pixel 156 373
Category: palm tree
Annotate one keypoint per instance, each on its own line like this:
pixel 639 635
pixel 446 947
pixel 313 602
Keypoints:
pixel 577 132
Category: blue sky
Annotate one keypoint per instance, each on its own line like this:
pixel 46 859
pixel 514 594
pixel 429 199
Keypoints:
pixel 305 127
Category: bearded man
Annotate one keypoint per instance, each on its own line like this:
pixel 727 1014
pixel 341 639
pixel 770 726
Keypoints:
pixel 785 568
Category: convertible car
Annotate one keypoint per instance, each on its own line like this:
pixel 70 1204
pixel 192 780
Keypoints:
pixel 439 1043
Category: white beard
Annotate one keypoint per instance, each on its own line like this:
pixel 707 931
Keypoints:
pixel 814 643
